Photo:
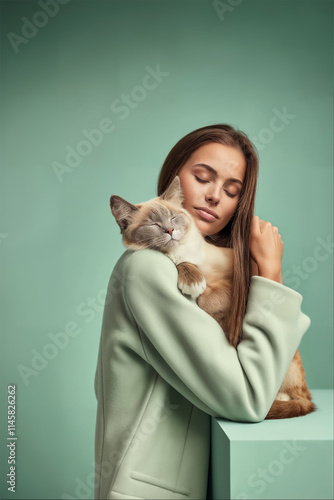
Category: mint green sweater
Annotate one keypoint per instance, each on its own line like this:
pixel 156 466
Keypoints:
pixel 165 366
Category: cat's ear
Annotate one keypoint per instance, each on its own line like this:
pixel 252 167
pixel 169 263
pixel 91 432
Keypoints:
pixel 174 193
pixel 123 211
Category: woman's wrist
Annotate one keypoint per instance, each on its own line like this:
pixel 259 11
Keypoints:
pixel 272 275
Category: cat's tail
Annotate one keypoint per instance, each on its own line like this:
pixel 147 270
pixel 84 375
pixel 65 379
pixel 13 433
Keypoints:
pixel 289 409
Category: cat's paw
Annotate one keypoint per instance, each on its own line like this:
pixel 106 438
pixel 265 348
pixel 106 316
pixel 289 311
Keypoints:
pixel 190 280
pixel 193 289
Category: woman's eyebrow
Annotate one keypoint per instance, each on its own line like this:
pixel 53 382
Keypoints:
pixel 210 169
pixel 214 172
pixel 236 181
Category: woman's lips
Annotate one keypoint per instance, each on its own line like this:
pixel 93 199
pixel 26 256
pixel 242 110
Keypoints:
pixel 206 214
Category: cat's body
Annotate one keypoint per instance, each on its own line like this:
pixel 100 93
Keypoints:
pixel 205 272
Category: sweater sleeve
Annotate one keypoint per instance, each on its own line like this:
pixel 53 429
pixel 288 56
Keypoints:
pixel 189 350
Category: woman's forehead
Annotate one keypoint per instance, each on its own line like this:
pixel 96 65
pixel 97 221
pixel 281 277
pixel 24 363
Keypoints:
pixel 219 160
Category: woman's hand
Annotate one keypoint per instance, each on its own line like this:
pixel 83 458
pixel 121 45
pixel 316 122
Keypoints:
pixel 266 247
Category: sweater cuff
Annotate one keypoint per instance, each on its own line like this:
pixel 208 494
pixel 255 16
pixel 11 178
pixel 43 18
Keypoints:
pixel 274 298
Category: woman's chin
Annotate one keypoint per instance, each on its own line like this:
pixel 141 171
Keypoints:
pixel 204 228
pixel 207 228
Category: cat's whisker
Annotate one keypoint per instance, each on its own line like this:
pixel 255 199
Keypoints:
pixel 148 241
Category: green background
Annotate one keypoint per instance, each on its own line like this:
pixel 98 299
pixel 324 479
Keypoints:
pixel 242 64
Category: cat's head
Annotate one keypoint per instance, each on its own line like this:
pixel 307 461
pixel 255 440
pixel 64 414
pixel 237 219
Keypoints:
pixel 159 223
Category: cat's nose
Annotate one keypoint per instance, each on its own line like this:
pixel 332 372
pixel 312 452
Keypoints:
pixel 169 231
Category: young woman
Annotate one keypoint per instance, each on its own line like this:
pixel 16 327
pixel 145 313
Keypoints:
pixel 164 364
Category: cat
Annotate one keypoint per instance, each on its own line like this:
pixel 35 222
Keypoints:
pixel 205 272
pixel 163 224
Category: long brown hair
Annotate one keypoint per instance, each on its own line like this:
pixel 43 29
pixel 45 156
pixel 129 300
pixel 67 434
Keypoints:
pixel 236 233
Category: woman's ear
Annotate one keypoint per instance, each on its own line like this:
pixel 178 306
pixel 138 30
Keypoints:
pixel 174 193
pixel 123 211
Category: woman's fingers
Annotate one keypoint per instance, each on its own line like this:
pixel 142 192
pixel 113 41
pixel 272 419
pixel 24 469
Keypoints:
pixel 260 227
pixel 266 247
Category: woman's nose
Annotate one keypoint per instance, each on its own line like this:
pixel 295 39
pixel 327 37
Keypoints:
pixel 213 196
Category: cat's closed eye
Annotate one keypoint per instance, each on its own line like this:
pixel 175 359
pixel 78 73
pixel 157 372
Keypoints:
pixel 150 224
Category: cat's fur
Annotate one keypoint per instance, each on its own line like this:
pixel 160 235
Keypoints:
pixel 205 272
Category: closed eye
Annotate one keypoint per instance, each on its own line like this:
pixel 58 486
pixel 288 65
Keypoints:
pixel 203 181
pixel 200 180
pixel 231 195
pixel 152 223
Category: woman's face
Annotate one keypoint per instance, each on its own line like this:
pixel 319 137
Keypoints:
pixel 211 181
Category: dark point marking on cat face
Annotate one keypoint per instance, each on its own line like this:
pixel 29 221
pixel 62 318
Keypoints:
pixel 123 211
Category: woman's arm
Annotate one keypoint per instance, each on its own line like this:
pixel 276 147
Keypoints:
pixel 190 351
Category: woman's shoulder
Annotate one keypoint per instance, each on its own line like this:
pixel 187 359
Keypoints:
pixel 146 264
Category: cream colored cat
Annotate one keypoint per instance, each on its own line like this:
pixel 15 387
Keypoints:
pixel 205 272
